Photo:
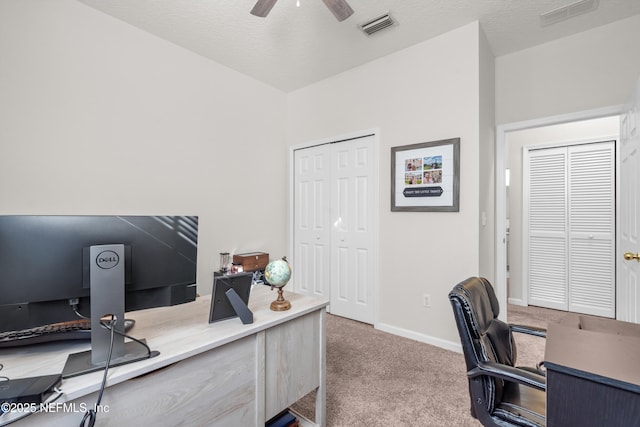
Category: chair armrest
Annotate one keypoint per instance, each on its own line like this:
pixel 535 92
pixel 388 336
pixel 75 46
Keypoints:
pixel 509 373
pixel 529 330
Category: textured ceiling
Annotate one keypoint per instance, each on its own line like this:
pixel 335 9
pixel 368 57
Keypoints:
pixel 296 46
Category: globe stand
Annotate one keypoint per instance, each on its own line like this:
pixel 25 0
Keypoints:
pixel 280 304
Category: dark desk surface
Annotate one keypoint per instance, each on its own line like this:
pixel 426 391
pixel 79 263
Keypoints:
pixel 598 348
pixel 593 372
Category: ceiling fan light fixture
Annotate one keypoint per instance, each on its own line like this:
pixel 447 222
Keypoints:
pixel 263 7
pixel 340 9
pixel 378 23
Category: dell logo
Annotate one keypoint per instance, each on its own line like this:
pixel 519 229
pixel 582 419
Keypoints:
pixel 107 260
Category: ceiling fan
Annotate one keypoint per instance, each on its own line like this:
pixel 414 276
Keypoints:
pixel 340 8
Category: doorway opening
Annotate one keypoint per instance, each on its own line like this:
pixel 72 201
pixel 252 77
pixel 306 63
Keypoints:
pixel 561 216
pixel 505 257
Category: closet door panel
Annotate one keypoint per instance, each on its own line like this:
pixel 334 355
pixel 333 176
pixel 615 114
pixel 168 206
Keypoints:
pixel 592 229
pixel 312 221
pixel 547 228
pixel 352 234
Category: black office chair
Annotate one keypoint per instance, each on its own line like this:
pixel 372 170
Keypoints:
pixel 501 394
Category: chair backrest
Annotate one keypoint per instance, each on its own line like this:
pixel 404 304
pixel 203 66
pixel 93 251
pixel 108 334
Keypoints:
pixel 483 336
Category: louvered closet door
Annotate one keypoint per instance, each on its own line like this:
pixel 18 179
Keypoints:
pixel 547 208
pixel 592 229
pixel 571 228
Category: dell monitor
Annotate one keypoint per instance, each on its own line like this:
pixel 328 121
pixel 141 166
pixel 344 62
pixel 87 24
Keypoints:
pixel 55 268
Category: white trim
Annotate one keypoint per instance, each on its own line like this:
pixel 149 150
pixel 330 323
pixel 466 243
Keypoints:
pixel 517 301
pixel 524 213
pixel 621 307
pixel 500 189
pixel 427 339
pixel 329 140
pixel 375 132
pixel 572 142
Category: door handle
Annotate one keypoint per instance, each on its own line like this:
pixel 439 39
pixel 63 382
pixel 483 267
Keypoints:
pixel 629 256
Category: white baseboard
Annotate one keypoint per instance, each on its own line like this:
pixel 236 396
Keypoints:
pixel 427 339
pixel 517 301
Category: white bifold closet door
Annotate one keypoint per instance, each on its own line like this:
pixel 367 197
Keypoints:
pixel 570 204
pixel 334 229
pixel 312 226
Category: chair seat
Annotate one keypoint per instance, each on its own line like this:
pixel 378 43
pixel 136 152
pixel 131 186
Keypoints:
pixel 521 405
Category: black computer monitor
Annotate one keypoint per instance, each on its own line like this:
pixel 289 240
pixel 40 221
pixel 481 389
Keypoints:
pixel 49 267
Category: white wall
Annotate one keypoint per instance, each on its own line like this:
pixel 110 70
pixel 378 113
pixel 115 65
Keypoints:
pixel 486 181
pixel 98 117
pixel 423 93
pixel 589 70
pixel 563 134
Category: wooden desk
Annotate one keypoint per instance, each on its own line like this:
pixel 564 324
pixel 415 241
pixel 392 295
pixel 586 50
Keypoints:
pixel 220 374
pixel 593 372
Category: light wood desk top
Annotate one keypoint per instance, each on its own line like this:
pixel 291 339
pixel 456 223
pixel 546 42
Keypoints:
pixel 177 332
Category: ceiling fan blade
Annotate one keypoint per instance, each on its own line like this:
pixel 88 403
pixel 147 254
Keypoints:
pixel 263 7
pixel 340 9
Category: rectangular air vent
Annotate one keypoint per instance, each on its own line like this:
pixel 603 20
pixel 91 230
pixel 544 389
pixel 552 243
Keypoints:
pixel 569 11
pixel 377 24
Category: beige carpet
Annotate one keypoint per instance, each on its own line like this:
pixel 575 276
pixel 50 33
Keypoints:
pixel 379 379
pixel 531 349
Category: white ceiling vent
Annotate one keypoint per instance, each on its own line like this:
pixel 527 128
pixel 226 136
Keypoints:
pixel 569 11
pixel 376 24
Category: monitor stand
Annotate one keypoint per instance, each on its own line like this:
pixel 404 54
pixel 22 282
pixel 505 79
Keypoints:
pixel 106 271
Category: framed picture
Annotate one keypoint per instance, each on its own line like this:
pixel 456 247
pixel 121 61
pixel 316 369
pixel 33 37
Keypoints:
pixel 426 176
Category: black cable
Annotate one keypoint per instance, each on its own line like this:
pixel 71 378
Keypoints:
pixel 2 377
pixel 142 343
pixel 90 415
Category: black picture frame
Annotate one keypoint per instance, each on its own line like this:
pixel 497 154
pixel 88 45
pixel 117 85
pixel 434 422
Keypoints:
pixel 425 177
pixel 222 307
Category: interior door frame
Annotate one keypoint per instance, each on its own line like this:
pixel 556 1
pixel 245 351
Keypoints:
pixel 375 133
pixel 501 189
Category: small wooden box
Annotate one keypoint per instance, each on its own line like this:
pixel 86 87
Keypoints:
pixel 252 261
